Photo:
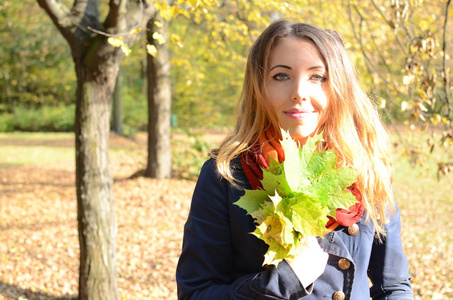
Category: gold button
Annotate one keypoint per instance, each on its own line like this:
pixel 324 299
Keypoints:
pixel 339 296
pixel 344 264
pixel 353 229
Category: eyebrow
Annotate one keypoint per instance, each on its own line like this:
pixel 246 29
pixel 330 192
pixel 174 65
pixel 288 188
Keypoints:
pixel 289 68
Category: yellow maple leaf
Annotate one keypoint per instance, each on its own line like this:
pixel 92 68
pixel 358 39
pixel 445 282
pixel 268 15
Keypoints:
pixel 151 49
pixel 158 37
pixel 115 41
pixel 136 30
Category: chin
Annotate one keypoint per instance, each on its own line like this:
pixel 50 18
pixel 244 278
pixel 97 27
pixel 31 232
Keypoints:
pixel 300 138
pixel 301 135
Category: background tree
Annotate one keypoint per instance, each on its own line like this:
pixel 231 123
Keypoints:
pixel 159 99
pixel 96 64
pixel 405 47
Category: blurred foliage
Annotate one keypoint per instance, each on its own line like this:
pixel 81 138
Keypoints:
pixel 190 150
pixel 403 46
pixel 36 64
pixel 400 47
pixel 406 49
pixel 58 118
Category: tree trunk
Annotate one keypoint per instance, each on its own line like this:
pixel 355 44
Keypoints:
pixel 117 106
pixel 96 65
pixel 159 105
pixel 95 207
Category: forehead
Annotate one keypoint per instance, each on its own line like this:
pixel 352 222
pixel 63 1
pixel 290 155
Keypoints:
pixel 295 51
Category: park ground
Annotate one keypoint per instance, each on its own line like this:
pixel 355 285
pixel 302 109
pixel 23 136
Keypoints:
pixel 38 218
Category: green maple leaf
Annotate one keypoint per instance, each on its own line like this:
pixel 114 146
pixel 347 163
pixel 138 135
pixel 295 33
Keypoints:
pixel 274 179
pixel 298 195
pixel 309 215
pixel 293 163
pixel 252 200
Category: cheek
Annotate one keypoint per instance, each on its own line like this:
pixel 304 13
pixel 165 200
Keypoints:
pixel 274 99
pixel 271 107
pixel 322 100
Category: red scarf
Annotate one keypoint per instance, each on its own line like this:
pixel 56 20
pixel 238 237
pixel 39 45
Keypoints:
pixel 258 157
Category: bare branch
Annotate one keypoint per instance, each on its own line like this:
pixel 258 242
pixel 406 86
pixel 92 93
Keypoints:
pixel 372 70
pixel 358 37
pixel 390 24
pixel 100 32
pixel 369 64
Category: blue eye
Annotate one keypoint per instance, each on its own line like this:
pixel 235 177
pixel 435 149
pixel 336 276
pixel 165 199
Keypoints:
pixel 280 77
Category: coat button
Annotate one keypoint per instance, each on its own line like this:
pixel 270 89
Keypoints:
pixel 344 264
pixel 339 295
pixel 353 229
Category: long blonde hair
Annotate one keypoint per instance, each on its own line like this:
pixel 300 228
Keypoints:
pixel 353 127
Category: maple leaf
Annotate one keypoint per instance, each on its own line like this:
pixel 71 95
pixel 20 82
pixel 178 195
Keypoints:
pixel 298 195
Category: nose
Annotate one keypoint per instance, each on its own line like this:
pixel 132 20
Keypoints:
pixel 301 90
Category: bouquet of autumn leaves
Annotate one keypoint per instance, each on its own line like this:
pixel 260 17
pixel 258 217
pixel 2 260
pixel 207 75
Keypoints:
pixel 297 196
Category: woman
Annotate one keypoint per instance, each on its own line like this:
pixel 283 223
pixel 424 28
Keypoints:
pixel 300 78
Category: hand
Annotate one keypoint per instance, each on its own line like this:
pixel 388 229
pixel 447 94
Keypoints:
pixel 310 262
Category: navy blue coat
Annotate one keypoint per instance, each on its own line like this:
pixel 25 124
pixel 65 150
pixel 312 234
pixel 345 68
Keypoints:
pixel 220 259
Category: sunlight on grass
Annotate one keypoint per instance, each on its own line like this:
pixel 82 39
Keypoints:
pixel 16 156
pixel 33 136
pixel 25 148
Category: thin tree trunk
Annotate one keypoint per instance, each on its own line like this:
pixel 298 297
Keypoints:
pixel 159 105
pixel 444 70
pixel 117 106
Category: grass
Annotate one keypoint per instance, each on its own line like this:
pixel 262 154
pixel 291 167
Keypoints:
pixel 23 148
pixel 20 148
pixel 14 156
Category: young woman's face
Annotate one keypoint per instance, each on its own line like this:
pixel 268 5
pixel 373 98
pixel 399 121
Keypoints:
pixel 297 87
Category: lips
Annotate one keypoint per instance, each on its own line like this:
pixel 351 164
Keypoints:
pixel 297 113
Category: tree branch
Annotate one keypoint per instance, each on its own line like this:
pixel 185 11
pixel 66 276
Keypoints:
pixel 73 23
pixel 117 7
pixel 369 64
pixel 389 23
pixel 125 16
pixel 60 15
